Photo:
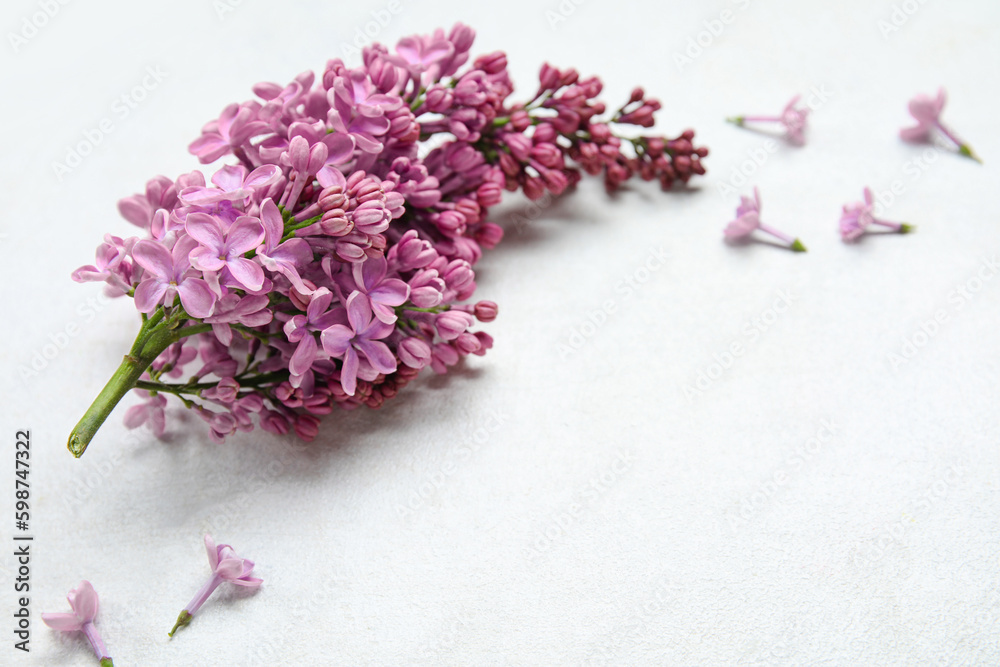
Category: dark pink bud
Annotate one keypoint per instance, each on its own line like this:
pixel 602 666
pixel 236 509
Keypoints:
pixel 467 343
pixel 414 352
pixel 489 234
pixel 486 311
pixel 520 120
pixel 548 78
pixel 534 188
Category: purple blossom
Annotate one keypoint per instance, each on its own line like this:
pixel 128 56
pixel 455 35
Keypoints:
pixel 858 216
pixel 236 125
pixel 926 111
pixel 221 248
pixel 748 220
pixel 250 311
pixel 149 412
pixel 226 566
pixel 362 334
pixel 233 183
pixel 161 193
pixel 792 118
pixel 112 265
pixel 370 278
pixel 300 328
pixel 168 272
pixel 335 213
pixel 84 603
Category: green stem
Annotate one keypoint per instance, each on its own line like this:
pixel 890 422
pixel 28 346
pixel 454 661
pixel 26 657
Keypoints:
pixel 194 388
pixel 183 619
pixel 155 336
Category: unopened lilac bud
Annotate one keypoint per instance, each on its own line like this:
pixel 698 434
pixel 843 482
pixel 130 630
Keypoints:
pixel 548 78
pixel 426 289
pixel 489 194
pixel 486 311
pixel 299 300
pixel 485 342
pixel 520 120
pixel 467 343
pixel 489 235
pixel 451 323
pixel 414 352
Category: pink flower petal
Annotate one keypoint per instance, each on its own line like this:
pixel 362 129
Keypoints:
pixel 213 552
pixel 230 568
pixel 304 355
pixel 336 340
pixel 379 355
pixel 263 176
pixel 62 621
pixel 83 600
pixel 149 294
pixel 230 177
pixel 249 582
pixel 206 230
pixel 153 257
pixel 247 273
pixel 196 297
pixel 359 313
pixel 349 373
pixel 274 226
pixel 245 235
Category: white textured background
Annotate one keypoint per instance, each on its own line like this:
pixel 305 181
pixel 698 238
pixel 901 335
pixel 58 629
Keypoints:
pixel 815 504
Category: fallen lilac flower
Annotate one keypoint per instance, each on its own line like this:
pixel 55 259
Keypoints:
pixel 927 112
pixel 793 119
pixel 84 603
pixel 226 566
pixel 748 221
pixel 858 216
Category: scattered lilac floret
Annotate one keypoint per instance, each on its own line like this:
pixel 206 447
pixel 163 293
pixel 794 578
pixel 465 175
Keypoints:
pixel 927 112
pixel 748 220
pixel 226 566
pixel 858 216
pixel 84 603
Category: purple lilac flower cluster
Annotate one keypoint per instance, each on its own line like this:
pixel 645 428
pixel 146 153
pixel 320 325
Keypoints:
pixel 333 260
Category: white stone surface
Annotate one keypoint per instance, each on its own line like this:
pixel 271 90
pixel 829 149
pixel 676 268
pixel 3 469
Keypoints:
pixel 813 505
